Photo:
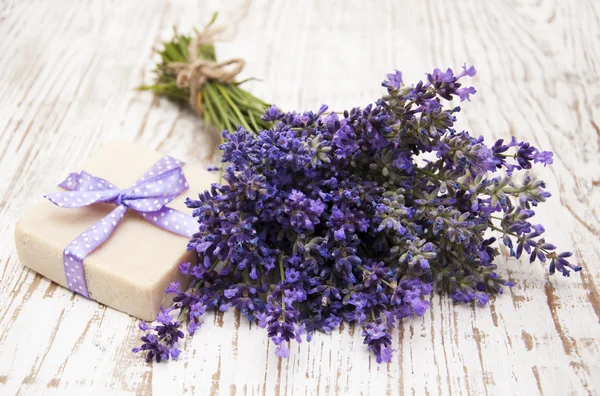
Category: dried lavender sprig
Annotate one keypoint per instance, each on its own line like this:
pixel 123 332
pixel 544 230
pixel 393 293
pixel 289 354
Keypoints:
pixel 327 219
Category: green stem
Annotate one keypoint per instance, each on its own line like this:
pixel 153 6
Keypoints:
pixel 208 103
pixel 213 92
pixel 221 172
pixel 253 121
pixel 371 272
pixel 281 272
pixel 434 176
pixel 251 98
pixel 235 109
pixel 516 236
pixel 505 155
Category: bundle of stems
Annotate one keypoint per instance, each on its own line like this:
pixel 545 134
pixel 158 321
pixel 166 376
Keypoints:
pixel 226 106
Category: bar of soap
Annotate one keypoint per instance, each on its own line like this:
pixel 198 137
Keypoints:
pixel 131 269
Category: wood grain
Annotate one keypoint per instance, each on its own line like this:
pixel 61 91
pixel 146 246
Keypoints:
pixel 68 73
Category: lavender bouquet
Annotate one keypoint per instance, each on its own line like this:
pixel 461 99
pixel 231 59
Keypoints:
pixel 356 217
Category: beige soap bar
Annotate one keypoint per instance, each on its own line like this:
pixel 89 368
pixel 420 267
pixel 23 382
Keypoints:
pixel 131 269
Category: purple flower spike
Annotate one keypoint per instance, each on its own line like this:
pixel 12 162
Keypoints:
pixel 378 340
pixel 543 157
pixel 394 80
pixel 467 71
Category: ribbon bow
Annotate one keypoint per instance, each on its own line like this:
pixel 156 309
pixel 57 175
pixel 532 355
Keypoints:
pixel 148 196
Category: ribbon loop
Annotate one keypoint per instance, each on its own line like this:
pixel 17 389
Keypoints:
pixel 148 196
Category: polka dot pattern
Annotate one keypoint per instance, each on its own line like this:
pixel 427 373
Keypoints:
pixel 148 196
pixel 84 244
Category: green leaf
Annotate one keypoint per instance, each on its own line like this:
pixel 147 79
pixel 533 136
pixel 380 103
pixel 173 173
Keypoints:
pixel 213 19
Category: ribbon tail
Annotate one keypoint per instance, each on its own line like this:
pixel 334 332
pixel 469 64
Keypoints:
pixel 172 220
pixel 84 244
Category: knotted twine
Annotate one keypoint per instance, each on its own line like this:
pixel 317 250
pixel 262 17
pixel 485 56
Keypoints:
pixel 195 73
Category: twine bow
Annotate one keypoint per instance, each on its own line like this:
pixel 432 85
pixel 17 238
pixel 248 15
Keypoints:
pixel 198 71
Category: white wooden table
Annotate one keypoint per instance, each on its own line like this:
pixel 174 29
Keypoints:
pixel 67 73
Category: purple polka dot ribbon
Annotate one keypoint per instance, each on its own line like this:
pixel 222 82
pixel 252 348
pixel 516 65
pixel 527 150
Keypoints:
pixel 148 196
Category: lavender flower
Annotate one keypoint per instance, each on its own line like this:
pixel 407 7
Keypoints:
pixel 325 218
pixel 163 343
pixel 394 80
pixel 378 340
